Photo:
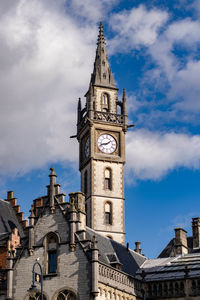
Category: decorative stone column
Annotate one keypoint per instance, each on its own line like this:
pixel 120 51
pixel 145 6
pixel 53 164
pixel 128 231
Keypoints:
pixel 72 222
pixel 31 232
pixel 95 266
pixel 10 270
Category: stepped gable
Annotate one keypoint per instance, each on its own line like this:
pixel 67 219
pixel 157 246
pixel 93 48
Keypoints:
pixel 8 221
pixel 113 253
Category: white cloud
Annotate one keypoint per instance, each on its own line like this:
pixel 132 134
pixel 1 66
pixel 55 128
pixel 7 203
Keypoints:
pixel 92 10
pixel 46 60
pixel 151 155
pixel 136 27
pixel 173 47
pixel 181 73
pixel 186 86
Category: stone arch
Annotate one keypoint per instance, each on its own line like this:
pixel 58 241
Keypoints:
pixel 65 293
pixel 37 296
pixel 49 234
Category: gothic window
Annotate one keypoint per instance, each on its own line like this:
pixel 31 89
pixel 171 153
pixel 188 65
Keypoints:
pixel 108 179
pixel 105 102
pixel 108 213
pixel 85 182
pixel 66 295
pixel 51 245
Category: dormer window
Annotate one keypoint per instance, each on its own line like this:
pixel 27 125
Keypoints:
pixel 113 260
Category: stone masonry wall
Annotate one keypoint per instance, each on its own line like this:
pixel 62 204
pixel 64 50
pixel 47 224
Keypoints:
pixel 73 271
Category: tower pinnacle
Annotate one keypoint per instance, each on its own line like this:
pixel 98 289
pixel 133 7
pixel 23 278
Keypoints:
pixel 102 74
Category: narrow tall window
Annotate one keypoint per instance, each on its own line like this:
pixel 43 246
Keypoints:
pixel 85 182
pixel 105 102
pixel 108 213
pixel 52 261
pixel 52 255
pixel 108 179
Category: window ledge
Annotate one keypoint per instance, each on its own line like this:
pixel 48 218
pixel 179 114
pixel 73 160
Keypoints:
pixel 50 275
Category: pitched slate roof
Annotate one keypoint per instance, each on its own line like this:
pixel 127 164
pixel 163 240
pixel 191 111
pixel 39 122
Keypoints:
pixel 129 260
pixel 171 267
pixel 8 221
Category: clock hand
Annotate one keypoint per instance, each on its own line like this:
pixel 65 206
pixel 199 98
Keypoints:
pixel 103 144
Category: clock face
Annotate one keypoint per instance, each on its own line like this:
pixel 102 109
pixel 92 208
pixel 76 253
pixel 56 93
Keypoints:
pixel 107 143
pixel 87 147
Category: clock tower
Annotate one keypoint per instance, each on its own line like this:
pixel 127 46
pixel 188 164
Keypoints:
pixel 101 129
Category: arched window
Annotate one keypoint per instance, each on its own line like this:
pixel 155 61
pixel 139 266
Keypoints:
pixel 66 295
pixel 108 213
pixel 36 297
pixel 105 102
pixel 85 182
pixel 108 179
pixel 51 246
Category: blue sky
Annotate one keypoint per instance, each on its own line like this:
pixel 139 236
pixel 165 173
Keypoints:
pixel 47 54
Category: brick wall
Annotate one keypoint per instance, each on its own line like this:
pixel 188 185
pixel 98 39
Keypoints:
pixel 3 257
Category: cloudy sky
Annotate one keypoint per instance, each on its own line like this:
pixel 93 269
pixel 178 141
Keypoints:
pixel 47 50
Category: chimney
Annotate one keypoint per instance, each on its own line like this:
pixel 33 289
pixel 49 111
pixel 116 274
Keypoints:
pixel 196 232
pixel 137 247
pixel 181 246
pixel 10 195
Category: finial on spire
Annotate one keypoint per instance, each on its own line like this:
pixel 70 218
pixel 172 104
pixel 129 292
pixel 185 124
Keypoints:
pixel 52 172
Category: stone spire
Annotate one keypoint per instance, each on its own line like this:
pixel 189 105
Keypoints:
pixel 102 74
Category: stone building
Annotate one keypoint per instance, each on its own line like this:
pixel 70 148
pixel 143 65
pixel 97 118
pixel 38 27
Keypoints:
pixel 80 243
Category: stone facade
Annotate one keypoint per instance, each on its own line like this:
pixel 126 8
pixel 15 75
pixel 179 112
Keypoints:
pixel 103 117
